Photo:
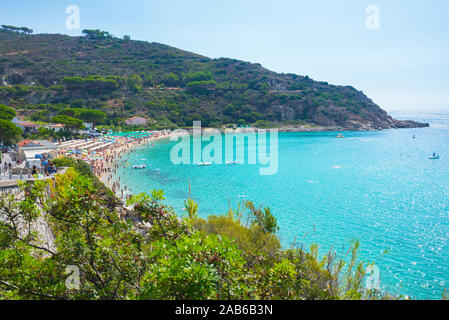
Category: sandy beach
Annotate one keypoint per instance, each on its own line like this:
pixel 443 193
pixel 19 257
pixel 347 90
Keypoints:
pixel 106 171
pixel 105 161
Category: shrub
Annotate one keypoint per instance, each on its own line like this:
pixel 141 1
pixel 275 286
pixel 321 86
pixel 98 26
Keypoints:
pixel 83 168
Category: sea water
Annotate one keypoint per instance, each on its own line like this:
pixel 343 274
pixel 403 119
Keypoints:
pixel 378 187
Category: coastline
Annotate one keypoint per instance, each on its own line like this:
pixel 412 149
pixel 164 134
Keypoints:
pixel 114 158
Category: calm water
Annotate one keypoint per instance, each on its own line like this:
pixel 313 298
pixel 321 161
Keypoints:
pixel 378 187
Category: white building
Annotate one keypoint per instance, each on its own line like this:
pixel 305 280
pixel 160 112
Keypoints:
pixel 28 149
pixel 27 126
pixel 55 127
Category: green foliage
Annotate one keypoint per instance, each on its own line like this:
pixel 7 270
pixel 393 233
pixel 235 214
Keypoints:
pixel 170 80
pixel 103 193
pixel 6 113
pixel 147 79
pixel 191 208
pixel 201 86
pixel 162 218
pixel 17 29
pixel 44 133
pixel 134 79
pixel 94 84
pixel 250 239
pixel 9 132
pixel 263 218
pixel 69 122
pixel 17 90
pixel 94 116
pixel 195 267
pixel 197 76
pixel 97 34
pixel 264 124
pixel 71 112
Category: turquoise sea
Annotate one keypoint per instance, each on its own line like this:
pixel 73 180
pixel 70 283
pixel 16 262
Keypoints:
pixel 378 187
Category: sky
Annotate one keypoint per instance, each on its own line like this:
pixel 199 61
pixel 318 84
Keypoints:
pixel 400 59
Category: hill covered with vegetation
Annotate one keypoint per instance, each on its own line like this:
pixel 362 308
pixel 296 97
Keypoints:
pixel 43 74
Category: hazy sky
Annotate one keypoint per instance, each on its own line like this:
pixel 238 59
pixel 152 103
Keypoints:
pixel 403 65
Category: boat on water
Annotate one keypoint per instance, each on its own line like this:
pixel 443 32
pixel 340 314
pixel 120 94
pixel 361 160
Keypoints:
pixel 340 135
pixel 434 157
pixel 232 162
pixel 204 164
pixel 137 167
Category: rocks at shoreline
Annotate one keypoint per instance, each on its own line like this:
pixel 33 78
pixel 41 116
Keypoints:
pixel 357 126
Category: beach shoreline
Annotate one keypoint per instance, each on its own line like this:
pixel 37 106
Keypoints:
pixel 108 155
pixel 114 159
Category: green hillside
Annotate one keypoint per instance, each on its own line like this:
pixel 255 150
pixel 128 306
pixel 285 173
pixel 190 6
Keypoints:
pixel 43 74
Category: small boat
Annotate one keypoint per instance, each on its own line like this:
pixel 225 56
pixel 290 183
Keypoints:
pixel 434 157
pixel 143 166
pixel 232 162
pixel 340 135
pixel 414 137
pixel 204 164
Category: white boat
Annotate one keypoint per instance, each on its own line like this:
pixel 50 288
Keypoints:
pixel 232 162
pixel 204 164
pixel 340 135
pixel 434 157
pixel 143 166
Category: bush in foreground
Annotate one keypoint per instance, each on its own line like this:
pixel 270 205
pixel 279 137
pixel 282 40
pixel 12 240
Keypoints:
pixel 156 256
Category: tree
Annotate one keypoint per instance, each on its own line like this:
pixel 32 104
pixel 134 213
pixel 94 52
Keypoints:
pixel 99 84
pixel 97 34
pixel 264 218
pixel 26 30
pixel 73 83
pixel 201 86
pixel 241 122
pixel 95 84
pixel 69 122
pixel 170 80
pixel 134 80
pixel 146 78
pixel 6 113
pixel 94 116
pixel 197 76
pixel 71 112
pixel 9 132
pixel 17 29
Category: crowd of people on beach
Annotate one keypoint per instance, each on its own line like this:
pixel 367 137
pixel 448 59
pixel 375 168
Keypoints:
pixel 107 155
